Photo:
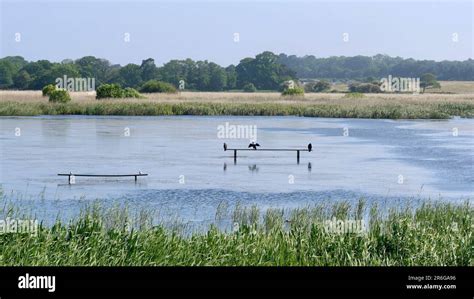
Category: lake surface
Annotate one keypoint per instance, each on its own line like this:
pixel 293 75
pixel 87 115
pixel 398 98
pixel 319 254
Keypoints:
pixel 190 174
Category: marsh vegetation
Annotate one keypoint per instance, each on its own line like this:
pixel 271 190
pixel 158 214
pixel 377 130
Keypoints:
pixel 433 233
pixel 389 106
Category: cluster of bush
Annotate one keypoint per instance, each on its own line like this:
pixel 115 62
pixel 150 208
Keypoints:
pixel 294 91
pixel 106 91
pixel 116 91
pixel 249 87
pixel 365 87
pixel 290 88
pixel 320 86
pixel 56 95
pixel 157 86
pixel 110 91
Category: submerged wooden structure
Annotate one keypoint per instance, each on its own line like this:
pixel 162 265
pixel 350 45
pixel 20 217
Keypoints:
pixel 73 175
pixel 297 150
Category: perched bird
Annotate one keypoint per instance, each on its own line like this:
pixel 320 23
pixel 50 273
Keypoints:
pixel 310 147
pixel 253 168
pixel 225 146
pixel 253 145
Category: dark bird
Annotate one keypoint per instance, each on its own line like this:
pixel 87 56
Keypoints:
pixel 310 147
pixel 225 146
pixel 253 145
pixel 253 168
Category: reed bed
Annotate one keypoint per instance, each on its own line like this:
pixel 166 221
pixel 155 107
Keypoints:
pixel 388 106
pixel 433 233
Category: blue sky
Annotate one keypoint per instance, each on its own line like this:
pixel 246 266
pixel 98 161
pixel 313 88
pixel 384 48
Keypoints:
pixel 164 30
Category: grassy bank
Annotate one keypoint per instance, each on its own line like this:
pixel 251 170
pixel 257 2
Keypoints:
pixel 389 106
pixel 432 234
pixel 385 110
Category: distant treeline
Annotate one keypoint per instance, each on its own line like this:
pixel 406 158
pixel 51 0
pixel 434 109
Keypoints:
pixel 378 66
pixel 267 71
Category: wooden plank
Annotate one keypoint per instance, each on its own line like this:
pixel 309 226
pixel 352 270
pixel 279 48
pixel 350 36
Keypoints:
pixel 103 175
pixel 269 149
pixel 69 175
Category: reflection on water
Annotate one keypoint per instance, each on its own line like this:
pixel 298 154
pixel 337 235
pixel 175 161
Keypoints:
pixel 187 166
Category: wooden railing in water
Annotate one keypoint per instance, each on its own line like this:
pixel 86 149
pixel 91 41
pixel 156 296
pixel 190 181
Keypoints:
pixel 297 150
pixel 70 174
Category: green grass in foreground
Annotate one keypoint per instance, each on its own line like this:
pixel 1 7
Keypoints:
pixel 431 234
pixel 382 110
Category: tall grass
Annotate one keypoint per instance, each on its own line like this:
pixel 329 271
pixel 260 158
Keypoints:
pixel 394 106
pixel 432 234
pixel 384 110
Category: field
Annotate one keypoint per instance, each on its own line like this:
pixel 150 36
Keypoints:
pixel 432 234
pixel 391 106
pixel 455 87
pixel 458 87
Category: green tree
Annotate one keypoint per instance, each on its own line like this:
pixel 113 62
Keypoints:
pixel 157 86
pixel 130 75
pixel 176 70
pixel 9 69
pixel 218 77
pixel 148 69
pixel 22 80
pixel 231 76
pixel 92 67
pixel 203 77
pixel 249 87
pixel 364 88
pixel 429 81
pixel 59 71
pixel 245 71
pixel 48 89
pixel 38 72
pixel 321 86
pixel 263 71
pixel 6 74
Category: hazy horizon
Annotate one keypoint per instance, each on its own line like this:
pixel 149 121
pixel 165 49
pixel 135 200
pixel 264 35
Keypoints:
pixel 205 30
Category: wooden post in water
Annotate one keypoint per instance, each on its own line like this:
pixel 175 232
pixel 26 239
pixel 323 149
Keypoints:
pixel 235 155
pixel 298 157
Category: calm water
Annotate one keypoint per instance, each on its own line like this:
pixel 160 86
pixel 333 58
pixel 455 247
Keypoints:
pixel 190 174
